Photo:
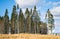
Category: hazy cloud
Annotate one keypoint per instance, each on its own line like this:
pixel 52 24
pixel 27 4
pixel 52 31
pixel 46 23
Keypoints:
pixel 55 11
pixel 23 3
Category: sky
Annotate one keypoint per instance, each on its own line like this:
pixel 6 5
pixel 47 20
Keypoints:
pixel 42 7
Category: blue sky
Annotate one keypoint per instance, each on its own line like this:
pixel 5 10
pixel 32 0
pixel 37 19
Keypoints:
pixel 42 7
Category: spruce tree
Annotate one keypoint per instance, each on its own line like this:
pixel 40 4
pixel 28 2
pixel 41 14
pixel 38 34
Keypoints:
pixel 21 21
pixel 6 22
pixel 36 19
pixel 17 6
pixel 50 22
pixel 26 20
pixel 14 21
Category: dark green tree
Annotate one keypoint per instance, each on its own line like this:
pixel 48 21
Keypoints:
pixel 6 21
pixel 21 21
pixel 36 19
pixel 26 20
pixel 1 18
pixel 17 6
pixel 14 21
pixel 2 25
pixel 32 25
pixel 29 21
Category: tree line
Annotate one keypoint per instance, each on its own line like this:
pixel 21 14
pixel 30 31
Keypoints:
pixel 30 22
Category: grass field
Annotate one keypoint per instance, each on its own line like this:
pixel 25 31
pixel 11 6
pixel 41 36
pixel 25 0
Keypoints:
pixel 28 36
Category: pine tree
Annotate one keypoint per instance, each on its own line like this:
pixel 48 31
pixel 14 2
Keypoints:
pixel 36 19
pixel 32 25
pixel 29 21
pixel 2 25
pixel 6 21
pixel 21 21
pixel 14 21
pixel 50 22
pixel 1 18
pixel 39 27
pixel 17 6
pixel 27 24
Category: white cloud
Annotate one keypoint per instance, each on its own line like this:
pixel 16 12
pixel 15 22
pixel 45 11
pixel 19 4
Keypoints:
pixel 56 24
pixel 56 17
pixel 53 4
pixel 55 11
pixel 23 3
pixel 56 3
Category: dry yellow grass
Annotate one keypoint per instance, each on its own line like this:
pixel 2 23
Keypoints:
pixel 28 36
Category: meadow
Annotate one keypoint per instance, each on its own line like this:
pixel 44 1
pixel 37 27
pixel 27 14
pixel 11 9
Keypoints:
pixel 28 36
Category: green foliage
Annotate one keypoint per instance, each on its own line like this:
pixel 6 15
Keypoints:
pixel 17 6
pixel 36 19
pixel 50 20
pixel 30 24
pixel 21 21
pixel 13 13
pixel 6 21
pixel 14 20
pixel 27 12
pixel 35 15
pixel 21 14
pixel 1 18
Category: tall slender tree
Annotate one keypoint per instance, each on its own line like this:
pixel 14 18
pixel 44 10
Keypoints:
pixel 29 21
pixel 32 25
pixel 27 24
pixel 50 22
pixel 1 25
pixel 6 21
pixel 36 19
pixel 14 20
pixel 21 21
